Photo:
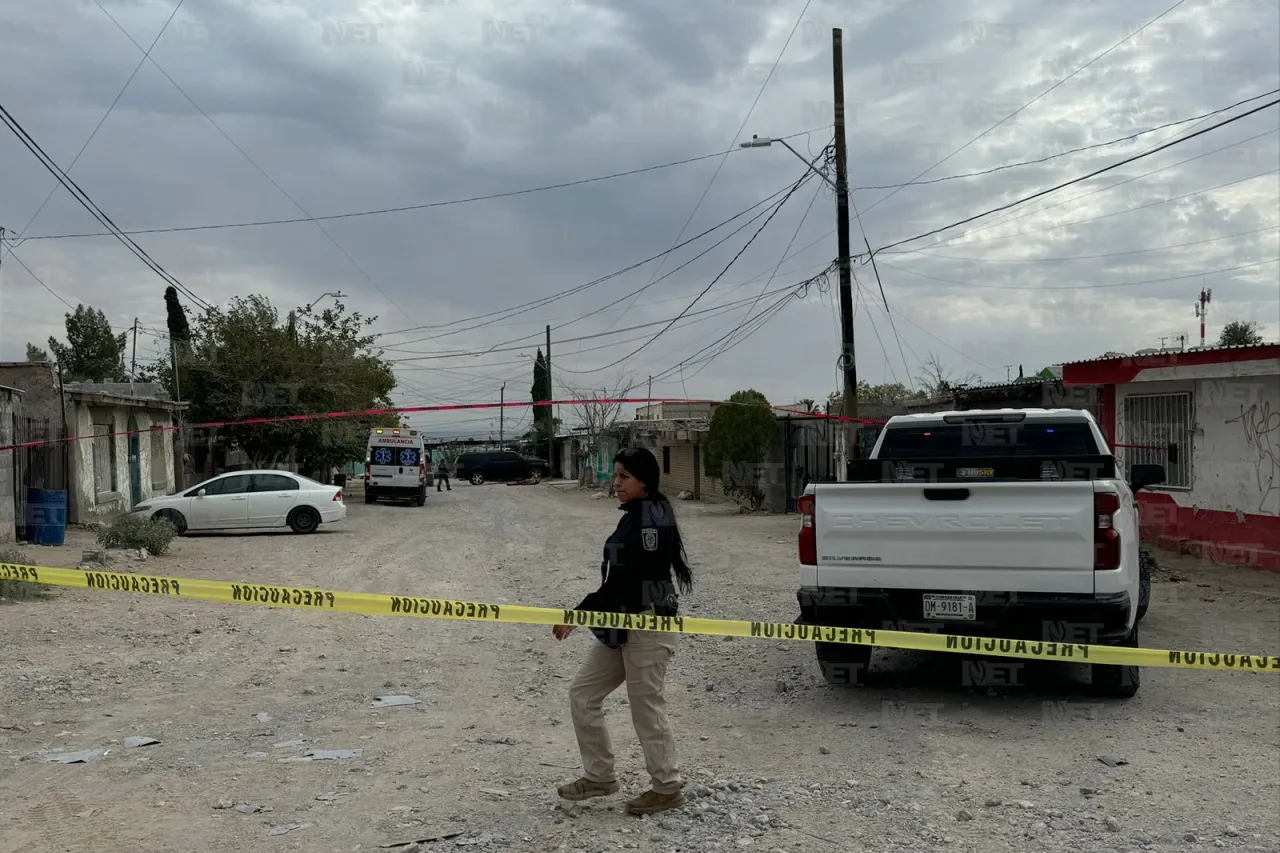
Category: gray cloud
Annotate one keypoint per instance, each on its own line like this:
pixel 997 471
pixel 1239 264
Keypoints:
pixel 354 106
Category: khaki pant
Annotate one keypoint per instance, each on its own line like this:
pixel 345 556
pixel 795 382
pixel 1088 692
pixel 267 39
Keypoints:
pixel 640 663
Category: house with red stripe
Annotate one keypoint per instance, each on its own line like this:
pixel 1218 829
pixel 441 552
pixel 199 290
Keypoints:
pixel 1211 417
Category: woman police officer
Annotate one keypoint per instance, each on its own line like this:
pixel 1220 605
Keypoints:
pixel 639 560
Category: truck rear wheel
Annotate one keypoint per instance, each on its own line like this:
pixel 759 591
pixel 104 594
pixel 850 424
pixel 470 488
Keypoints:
pixel 1118 682
pixel 842 664
pixel 1146 567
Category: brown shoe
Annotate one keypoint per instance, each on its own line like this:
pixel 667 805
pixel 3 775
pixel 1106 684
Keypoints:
pixel 585 789
pixel 651 802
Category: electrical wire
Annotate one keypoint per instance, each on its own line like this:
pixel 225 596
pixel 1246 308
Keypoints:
pixel 79 194
pixel 1029 103
pixel 403 208
pixel 555 297
pixel 1063 258
pixel 1051 157
pixel 1200 274
pixel 636 292
pixel 39 280
pixel 102 121
pixel 1126 161
pixel 807 176
pixel 719 166
pixel 1039 210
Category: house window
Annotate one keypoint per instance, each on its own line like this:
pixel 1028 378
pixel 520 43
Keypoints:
pixel 1157 431
pixel 666 459
pixel 104 458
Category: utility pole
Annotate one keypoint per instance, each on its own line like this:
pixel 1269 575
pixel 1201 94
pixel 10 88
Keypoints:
pixel 502 410
pixel 551 420
pixel 1008 376
pixel 847 365
pixel 649 398
pixel 133 359
pixel 180 436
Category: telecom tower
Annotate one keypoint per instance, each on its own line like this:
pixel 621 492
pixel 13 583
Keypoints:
pixel 1202 309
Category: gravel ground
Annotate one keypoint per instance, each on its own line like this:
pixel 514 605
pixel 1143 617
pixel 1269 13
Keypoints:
pixel 775 759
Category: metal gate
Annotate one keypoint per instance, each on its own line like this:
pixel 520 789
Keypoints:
pixel 42 466
pixel 808 455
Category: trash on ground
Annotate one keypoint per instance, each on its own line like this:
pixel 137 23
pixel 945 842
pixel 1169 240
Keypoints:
pixel 393 701
pixel 440 836
pixel 135 742
pixel 325 755
pixel 262 718
pixel 84 756
pixel 286 828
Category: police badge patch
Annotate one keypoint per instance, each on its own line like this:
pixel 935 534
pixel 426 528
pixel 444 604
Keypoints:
pixel 649 537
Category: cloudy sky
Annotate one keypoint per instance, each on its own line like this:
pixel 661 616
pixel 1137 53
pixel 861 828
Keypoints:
pixel 253 110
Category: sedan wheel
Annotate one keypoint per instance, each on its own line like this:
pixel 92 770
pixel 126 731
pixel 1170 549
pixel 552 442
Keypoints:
pixel 175 519
pixel 304 520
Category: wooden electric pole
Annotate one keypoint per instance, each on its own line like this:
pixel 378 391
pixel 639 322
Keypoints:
pixel 133 359
pixel 847 365
pixel 551 412
pixel 502 411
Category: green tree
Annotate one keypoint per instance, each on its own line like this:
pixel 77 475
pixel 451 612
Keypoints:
pixel 176 315
pixel 34 353
pixel 541 392
pixel 92 351
pixel 1240 333
pixel 245 363
pixel 742 428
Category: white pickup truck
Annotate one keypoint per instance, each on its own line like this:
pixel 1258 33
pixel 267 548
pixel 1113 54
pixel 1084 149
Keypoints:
pixel 1010 523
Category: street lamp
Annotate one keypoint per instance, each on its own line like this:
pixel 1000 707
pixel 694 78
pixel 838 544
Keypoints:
pixel 336 294
pixel 765 142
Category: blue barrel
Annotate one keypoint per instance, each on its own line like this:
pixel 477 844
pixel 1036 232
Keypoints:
pixel 46 516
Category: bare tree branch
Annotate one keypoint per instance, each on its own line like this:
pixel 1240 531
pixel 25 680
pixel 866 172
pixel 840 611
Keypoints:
pixel 596 417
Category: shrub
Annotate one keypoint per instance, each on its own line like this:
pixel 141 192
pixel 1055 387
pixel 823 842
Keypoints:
pixel 738 440
pixel 19 590
pixel 133 531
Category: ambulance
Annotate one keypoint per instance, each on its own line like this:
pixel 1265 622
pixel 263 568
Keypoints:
pixel 396 466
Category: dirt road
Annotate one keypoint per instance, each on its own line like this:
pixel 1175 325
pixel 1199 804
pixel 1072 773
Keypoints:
pixel 775 759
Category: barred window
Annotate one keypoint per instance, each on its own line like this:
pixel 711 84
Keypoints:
pixel 1157 431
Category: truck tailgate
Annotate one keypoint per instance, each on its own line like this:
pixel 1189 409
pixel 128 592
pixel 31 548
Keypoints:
pixel 1028 536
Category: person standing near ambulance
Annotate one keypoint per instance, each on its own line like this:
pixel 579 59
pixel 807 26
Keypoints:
pixel 640 559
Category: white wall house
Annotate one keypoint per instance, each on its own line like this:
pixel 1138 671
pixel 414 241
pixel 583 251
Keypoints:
pixel 1211 416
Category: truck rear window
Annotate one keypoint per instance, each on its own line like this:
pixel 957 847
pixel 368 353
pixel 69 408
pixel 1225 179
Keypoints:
pixel 985 440
pixel 399 456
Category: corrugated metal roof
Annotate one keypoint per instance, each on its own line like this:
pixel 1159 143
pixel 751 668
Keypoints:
pixel 1114 357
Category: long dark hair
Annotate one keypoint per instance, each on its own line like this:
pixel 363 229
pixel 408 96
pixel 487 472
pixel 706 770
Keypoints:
pixel 641 464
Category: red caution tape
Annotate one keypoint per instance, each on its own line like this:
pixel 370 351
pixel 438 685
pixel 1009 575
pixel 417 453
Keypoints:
pixel 456 407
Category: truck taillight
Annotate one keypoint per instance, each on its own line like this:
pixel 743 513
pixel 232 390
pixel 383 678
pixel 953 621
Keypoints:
pixel 808 539
pixel 422 471
pixel 367 471
pixel 1106 539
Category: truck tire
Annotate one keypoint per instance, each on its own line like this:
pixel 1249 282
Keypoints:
pixel 842 664
pixel 1146 567
pixel 370 496
pixel 1118 682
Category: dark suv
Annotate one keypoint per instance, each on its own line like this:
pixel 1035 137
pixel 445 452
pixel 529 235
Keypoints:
pixel 503 465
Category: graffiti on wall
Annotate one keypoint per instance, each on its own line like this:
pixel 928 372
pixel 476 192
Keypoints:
pixel 1262 433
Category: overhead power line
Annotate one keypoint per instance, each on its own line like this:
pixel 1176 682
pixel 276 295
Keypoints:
pixel 80 196
pixel 403 208
pixel 1200 274
pixel 1126 161
pixel 524 307
pixel 1051 157
pixel 807 176
pixel 1031 102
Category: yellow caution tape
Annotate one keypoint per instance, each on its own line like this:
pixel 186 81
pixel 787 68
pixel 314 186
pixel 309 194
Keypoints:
pixel 376 604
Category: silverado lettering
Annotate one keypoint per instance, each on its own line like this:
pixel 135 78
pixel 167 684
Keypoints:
pixel 953 522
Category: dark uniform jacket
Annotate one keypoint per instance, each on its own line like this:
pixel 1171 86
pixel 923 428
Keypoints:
pixel 636 572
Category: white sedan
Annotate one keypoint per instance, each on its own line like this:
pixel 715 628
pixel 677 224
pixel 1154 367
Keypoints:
pixel 250 500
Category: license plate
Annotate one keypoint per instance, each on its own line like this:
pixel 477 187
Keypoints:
pixel 976 473
pixel 960 607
